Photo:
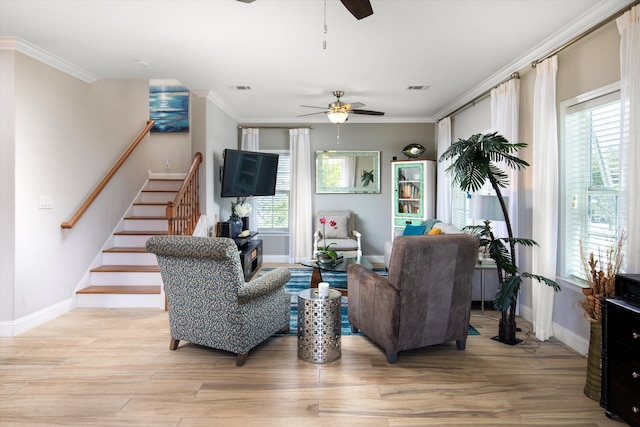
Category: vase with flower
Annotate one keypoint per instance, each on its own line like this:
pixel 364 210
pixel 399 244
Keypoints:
pixel 325 254
pixel 600 273
pixel 239 210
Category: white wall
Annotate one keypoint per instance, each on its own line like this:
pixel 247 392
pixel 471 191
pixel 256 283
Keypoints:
pixel 7 182
pixel 67 135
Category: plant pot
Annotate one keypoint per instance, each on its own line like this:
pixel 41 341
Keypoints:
pixel 324 259
pixel 594 362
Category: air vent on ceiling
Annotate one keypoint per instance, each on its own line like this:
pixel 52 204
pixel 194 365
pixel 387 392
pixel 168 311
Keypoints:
pixel 418 87
pixel 241 87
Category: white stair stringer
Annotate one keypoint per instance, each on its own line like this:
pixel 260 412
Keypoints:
pixel 129 276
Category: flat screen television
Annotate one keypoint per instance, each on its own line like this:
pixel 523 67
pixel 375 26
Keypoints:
pixel 248 173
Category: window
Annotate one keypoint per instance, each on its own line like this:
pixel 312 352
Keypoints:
pixel 591 157
pixel 273 211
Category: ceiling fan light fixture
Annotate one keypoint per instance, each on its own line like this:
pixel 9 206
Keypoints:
pixel 338 117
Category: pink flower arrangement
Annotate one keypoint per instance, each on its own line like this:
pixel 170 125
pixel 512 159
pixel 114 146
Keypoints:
pixel 325 250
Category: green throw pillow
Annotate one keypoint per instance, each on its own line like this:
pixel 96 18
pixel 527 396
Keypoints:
pixel 413 230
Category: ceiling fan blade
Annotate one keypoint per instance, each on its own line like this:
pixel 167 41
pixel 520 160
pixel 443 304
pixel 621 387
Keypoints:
pixel 354 105
pixel 358 8
pixel 367 112
pixel 313 106
pixel 312 114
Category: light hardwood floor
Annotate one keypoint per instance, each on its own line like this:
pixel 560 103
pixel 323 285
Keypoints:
pixel 113 367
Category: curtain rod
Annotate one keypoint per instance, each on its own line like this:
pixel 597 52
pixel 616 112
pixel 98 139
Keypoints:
pixel 586 33
pixel 276 127
pixel 483 95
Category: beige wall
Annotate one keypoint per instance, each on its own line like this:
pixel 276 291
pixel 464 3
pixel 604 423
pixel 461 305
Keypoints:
pixel 373 211
pixel 67 135
pixel 590 63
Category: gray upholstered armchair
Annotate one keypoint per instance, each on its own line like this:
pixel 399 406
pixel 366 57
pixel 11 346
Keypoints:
pixel 426 298
pixel 343 234
pixel 209 302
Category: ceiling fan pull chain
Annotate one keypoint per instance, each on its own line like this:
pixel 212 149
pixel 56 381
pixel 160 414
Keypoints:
pixel 324 41
pixel 338 137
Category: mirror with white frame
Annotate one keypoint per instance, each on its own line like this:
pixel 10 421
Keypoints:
pixel 347 171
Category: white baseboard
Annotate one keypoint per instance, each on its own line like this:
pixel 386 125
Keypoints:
pixel 16 327
pixel 562 334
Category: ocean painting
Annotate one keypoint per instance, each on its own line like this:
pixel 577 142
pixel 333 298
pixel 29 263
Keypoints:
pixel 168 106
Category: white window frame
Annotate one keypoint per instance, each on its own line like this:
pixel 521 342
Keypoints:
pixel 279 192
pixel 566 248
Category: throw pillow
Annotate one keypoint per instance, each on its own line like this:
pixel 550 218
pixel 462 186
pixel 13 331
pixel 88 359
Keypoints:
pixel 434 232
pixel 339 231
pixel 413 230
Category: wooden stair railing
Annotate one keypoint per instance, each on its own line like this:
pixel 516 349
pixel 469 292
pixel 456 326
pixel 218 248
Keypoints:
pixel 103 183
pixel 183 213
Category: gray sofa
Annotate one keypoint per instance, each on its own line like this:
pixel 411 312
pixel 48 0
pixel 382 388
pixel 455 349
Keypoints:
pixel 444 228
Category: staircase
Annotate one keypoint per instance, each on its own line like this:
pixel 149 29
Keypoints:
pixel 129 276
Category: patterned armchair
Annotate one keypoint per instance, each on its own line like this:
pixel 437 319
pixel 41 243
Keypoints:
pixel 344 234
pixel 209 302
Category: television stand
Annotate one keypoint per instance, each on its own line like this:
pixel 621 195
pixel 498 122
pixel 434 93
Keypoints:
pixel 250 254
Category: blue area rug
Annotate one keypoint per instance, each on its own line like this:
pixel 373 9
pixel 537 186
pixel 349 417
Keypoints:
pixel 301 279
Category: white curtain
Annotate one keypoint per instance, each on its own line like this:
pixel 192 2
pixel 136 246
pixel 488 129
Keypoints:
pixel 444 211
pixel 545 194
pixel 629 28
pixel 300 211
pixel 250 142
pixel 505 112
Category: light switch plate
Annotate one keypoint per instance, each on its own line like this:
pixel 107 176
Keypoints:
pixel 46 202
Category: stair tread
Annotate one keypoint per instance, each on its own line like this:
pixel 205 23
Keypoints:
pixel 146 217
pixel 127 268
pixel 120 289
pixel 140 233
pixel 166 179
pixel 150 204
pixel 136 249
pixel 159 191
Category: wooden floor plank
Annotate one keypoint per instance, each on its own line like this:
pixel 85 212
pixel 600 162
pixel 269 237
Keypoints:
pixel 113 367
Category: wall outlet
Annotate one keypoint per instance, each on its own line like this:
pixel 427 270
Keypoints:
pixel 46 202
pixel 167 163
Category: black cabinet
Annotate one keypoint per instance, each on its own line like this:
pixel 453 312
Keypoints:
pixel 250 255
pixel 620 392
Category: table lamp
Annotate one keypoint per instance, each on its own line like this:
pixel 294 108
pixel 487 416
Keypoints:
pixel 486 208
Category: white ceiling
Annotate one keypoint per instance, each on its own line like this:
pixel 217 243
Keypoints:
pixel 459 48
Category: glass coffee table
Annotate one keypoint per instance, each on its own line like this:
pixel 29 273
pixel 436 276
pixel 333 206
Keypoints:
pixel 341 267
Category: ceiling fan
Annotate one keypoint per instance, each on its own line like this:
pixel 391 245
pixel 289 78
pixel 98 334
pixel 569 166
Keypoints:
pixel 358 8
pixel 338 111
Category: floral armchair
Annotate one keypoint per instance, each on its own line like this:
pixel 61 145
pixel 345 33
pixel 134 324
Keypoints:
pixel 339 228
pixel 209 302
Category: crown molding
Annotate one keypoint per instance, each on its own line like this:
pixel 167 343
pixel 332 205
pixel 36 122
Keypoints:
pixel 217 101
pixel 31 50
pixel 353 118
pixel 600 12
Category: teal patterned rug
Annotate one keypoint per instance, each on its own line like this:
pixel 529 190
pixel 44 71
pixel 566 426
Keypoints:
pixel 301 279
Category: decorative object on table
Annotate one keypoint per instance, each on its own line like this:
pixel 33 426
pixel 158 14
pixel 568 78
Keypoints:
pixel 413 151
pixel 366 178
pixel 324 253
pixel 600 274
pixel 475 162
pixel 239 210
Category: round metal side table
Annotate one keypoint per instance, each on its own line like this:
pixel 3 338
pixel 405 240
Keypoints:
pixel 319 328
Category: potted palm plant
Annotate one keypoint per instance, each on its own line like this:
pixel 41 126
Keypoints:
pixel 473 164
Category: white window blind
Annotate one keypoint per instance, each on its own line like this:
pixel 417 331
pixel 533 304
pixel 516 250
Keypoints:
pixel 273 211
pixel 592 134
